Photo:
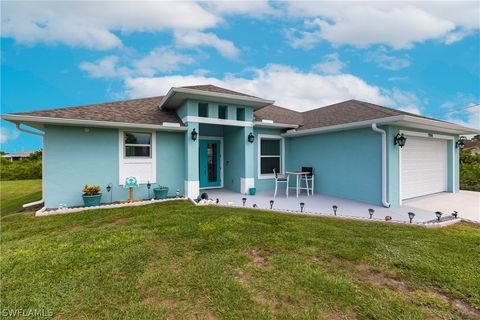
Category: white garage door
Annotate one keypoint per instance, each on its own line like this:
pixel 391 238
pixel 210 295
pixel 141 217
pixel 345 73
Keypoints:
pixel 424 167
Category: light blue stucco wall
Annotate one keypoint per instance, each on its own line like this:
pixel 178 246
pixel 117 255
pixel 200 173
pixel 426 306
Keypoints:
pixel 74 158
pixel 393 181
pixel 347 164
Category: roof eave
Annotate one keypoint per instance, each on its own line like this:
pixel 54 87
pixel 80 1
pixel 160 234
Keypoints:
pixel 400 120
pixel 185 93
pixel 38 122
pixel 261 124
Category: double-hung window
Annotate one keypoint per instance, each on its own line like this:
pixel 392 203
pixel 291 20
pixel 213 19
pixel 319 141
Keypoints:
pixel 270 155
pixel 137 145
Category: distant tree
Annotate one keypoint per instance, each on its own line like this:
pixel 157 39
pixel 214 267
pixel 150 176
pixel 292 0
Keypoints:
pixel 2 153
pixel 476 137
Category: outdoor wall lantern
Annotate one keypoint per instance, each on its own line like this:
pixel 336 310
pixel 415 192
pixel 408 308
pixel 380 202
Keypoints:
pixel 460 143
pixel 439 215
pixel 194 135
pixel 370 212
pixel 410 216
pixel 334 209
pixel 251 137
pixel 302 205
pixel 271 204
pixel 455 214
pixel 400 140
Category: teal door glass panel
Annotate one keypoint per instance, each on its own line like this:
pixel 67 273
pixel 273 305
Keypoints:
pixel 209 164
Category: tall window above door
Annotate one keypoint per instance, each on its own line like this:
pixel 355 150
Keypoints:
pixel 137 144
pixel 203 110
pixel 270 156
pixel 222 112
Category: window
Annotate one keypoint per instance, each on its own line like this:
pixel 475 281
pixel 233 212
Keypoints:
pixel 138 144
pixel 203 110
pixel 270 155
pixel 222 112
pixel 240 114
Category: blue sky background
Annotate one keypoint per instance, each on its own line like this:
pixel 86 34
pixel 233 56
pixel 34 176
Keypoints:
pixel 419 57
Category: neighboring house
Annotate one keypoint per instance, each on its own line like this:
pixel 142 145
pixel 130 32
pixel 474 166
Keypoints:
pixel 17 155
pixel 350 145
pixel 473 147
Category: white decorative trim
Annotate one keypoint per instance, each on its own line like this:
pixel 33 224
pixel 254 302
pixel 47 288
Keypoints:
pixel 245 184
pixel 223 122
pixel 89 123
pixel 192 189
pixel 150 162
pixel 263 124
pixel 282 155
pixel 429 136
pixel 221 158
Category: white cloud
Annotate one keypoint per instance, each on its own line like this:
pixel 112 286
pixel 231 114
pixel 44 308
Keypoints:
pixel 290 88
pixel 387 61
pixel 463 109
pixel 7 134
pixel 96 25
pixel 395 24
pixel 330 65
pixel 194 39
pixel 159 60
pixel 257 8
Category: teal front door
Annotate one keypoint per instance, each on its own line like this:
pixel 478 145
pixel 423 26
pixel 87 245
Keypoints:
pixel 209 164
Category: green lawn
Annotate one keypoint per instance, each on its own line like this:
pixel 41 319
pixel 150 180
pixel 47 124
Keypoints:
pixel 16 193
pixel 178 261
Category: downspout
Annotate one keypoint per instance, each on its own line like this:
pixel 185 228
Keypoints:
pixel 43 155
pixel 384 164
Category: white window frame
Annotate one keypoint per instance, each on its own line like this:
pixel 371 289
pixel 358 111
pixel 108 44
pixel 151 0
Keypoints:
pixel 259 155
pixel 148 162
pixel 125 145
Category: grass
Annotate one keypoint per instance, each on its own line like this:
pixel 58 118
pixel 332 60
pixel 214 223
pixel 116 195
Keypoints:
pixel 178 261
pixel 16 193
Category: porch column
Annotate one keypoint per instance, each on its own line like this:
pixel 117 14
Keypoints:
pixel 247 181
pixel 192 183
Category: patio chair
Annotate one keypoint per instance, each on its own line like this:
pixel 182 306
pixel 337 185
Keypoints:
pixel 308 179
pixel 280 178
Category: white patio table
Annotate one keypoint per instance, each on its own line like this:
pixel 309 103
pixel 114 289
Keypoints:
pixel 297 175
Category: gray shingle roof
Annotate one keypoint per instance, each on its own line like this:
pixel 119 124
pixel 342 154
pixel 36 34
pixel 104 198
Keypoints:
pixel 146 111
pixel 143 111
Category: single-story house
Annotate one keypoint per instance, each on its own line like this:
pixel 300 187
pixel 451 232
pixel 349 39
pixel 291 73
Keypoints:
pixel 16 156
pixel 204 136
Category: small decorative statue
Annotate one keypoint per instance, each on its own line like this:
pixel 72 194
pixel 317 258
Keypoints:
pixel 130 183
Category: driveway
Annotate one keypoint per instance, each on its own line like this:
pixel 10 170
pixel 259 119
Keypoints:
pixel 467 203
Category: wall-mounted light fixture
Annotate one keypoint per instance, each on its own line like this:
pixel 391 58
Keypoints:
pixel 194 134
pixel 400 140
pixel 460 144
pixel 251 137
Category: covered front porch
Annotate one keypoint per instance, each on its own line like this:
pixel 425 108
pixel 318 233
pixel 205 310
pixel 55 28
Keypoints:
pixel 321 205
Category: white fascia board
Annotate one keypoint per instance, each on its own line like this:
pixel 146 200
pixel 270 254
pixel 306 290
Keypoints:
pixel 228 96
pixel 344 126
pixel 261 124
pixel 222 122
pixel 89 123
pixel 401 120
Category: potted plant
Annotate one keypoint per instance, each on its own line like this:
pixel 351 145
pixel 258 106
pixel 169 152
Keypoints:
pixel 160 192
pixel 91 195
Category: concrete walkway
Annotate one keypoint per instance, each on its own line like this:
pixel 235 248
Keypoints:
pixel 467 203
pixel 322 205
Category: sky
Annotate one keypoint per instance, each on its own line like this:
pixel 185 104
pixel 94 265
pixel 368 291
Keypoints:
pixel 422 57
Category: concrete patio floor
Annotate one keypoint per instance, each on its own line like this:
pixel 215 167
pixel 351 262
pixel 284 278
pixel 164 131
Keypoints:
pixel 322 205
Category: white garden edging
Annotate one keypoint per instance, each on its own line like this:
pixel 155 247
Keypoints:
pixel 42 212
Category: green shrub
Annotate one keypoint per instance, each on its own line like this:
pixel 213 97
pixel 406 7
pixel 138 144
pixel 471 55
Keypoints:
pixel 469 170
pixel 29 168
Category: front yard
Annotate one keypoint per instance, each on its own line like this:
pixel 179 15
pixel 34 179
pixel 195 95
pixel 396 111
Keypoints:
pixel 175 260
